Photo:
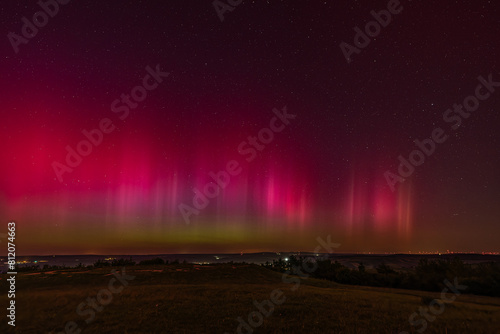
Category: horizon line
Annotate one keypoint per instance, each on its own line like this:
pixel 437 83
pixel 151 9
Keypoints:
pixel 294 252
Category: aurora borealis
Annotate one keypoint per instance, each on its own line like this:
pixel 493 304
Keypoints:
pixel 321 174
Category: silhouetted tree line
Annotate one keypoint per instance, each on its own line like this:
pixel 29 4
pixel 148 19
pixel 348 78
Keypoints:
pixel 98 264
pixel 114 263
pixel 481 279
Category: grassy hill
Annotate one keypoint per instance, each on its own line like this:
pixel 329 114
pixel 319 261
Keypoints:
pixel 209 299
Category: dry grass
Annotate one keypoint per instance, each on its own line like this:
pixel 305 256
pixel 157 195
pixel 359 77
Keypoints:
pixel 208 299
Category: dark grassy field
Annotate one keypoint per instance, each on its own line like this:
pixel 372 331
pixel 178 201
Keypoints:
pixel 209 299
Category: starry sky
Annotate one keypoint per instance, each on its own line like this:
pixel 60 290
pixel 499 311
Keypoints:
pixel 216 84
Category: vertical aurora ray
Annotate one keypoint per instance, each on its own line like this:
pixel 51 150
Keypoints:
pixel 375 206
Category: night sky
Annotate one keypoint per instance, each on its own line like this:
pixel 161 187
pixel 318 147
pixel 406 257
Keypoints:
pixel 213 86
